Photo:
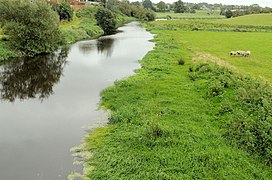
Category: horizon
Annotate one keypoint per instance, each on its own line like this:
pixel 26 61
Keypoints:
pixel 264 3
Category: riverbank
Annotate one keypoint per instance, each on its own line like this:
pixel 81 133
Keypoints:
pixel 178 120
pixel 82 27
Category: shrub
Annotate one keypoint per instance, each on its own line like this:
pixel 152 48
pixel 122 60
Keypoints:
pixel 32 26
pixel 64 10
pixel 106 20
pixel 228 14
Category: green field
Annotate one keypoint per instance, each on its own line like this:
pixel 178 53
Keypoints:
pixel 219 37
pixel 254 19
pixel 209 118
pixel 219 44
pixel 200 14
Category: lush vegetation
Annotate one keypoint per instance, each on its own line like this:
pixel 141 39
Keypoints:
pixel 31 26
pixel 136 10
pixel 200 14
pixel 190 112
pixel 83 25
pixel 106 20
pixel 64 10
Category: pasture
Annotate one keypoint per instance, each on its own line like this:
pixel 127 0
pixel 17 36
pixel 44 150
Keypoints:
pixel 200 14
pixel 253 19
pixel 218 37
pixel 219 45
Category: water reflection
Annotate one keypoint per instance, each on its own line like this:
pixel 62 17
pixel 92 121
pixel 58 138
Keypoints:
pixel 31 77
pixel 105 46
pixel 86 47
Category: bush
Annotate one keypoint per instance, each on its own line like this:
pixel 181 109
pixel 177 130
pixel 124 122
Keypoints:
pixel 32 26
pixel 64 10
pixel 228 14
pixel 150 15
pixel 106 20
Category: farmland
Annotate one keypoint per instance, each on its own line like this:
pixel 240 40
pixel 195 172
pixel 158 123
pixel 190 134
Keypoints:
pixel 200 14
pixel 192 111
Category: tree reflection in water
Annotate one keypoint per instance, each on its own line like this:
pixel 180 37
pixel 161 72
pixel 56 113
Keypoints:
pixel 86 47
pixel 31 77
pixel 105 46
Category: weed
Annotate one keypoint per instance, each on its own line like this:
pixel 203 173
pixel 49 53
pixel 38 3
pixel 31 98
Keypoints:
pixel 181 62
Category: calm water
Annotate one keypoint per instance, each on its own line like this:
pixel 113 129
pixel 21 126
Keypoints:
pixel 46 101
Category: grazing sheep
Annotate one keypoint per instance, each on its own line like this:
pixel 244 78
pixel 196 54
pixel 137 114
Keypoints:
pixel 233 53
pixel 240 52
pixel 247 53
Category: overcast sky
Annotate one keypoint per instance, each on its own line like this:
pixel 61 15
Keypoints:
pixel 262 3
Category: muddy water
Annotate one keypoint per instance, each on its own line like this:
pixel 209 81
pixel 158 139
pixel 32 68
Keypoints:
pixel 46 101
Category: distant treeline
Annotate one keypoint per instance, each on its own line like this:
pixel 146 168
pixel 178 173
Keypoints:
pixel 184 7
pixel 235 10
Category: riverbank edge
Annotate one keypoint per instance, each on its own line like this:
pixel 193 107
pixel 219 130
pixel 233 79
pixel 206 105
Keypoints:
pixel 6 53
pixel 107 152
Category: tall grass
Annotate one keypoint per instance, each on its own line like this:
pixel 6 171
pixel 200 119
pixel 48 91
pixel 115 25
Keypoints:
pixel 163 125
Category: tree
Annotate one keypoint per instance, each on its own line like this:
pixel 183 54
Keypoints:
pixel 106 20
pixel 65 11
pixel 179 7
pixel 161 6
pixel 228 14
pixel 148 4
pixel 32 26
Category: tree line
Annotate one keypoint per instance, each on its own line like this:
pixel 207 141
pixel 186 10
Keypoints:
pixel 185 7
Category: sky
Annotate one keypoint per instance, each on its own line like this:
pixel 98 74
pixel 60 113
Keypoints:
pixel 262 3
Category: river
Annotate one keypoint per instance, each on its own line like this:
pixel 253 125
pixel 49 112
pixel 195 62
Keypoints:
pixel 47 102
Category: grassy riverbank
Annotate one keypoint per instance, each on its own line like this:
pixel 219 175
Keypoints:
pixel 200 120
pixel 84 25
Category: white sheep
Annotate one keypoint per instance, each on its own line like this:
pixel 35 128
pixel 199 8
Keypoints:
pixel 233 53
pixel 247 53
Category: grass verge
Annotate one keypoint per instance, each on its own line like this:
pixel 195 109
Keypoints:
pixel 165 124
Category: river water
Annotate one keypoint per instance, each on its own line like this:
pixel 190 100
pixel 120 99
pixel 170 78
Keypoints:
pixel 46 101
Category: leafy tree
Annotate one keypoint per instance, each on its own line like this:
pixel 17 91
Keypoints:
pixel 179 7
pixel 125 8
pixel 32 26
pixel 136 3
pixel 148 4
pixel 228 14
pixel 106 20
pixel 65 11
pixel 161 6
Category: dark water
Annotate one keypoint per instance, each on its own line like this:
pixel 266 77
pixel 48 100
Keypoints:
pixel 46 101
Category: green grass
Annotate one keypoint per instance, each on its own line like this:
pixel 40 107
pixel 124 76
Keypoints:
pixel 253 19
pixel 169 123
pixel 219 44
pixel 200 14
